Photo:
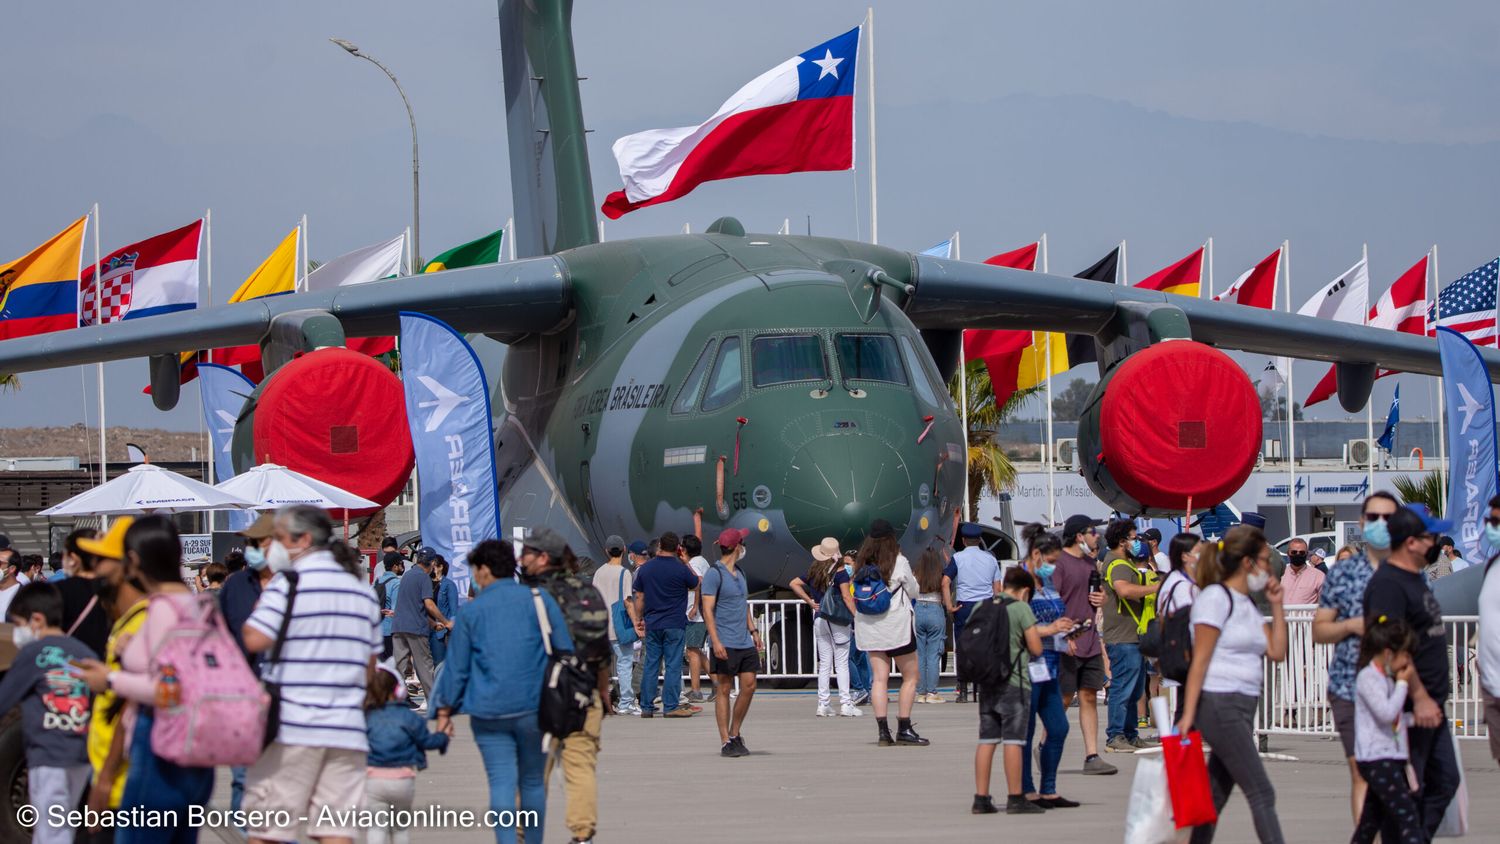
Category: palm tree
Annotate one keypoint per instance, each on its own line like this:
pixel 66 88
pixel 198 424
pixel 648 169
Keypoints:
pixel 990 470
pixel 9 382
pixel 1427 489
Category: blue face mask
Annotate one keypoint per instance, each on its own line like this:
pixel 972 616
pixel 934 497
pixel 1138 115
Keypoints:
pixel 1044 571
pixel 1492 536
pixel 255 558
pixel 1137 548
pixel 1377 534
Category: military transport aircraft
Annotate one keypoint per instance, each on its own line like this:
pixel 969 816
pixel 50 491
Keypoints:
pixel 794 386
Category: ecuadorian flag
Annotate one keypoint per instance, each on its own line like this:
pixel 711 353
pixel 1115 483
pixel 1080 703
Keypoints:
pixel 39 291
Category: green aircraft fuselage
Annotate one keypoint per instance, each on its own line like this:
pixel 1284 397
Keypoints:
pixel 738 375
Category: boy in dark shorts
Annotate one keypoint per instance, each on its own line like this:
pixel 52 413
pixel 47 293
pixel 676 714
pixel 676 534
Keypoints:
pixel 734 637
pixel 1005 710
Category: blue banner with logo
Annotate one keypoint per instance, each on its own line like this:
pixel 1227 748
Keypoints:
pixel 224 391
pixel 1472 470
pixel 448 412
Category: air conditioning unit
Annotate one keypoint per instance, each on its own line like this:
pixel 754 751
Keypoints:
pixel 1065 451
pixel 1361 453
pixel 1271 450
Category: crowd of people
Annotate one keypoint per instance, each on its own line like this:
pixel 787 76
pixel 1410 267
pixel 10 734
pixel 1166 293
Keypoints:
pixel 365 679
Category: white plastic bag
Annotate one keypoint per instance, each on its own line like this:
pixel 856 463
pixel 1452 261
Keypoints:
pixel 1148 817
pixel 1456 818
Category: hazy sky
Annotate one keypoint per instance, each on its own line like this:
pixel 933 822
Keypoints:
pixel 1161 123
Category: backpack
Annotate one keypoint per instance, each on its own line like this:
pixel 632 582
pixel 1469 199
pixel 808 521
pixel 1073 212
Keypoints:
pixel 832 608
pixel 220 716
pixel 1175 634
pixel 871 595
pixel 624 630
pixel 586 614
pixel 984 655
pixel 567 688
pixel 380 593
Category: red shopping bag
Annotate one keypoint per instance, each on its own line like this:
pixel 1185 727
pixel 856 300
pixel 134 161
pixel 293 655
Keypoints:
pixel 1187 780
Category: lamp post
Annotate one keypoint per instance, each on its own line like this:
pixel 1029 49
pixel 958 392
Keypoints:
pixel 416 192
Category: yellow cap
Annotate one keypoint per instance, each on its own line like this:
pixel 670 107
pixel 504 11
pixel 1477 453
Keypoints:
pixel 111 546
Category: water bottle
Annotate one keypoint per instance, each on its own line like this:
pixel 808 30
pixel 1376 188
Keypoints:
pixel 168 689
pixel 1096 581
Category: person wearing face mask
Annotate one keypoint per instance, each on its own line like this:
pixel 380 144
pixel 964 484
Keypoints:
pixel 1443 565
pixel 1231 641
pixel 1081 668
pixel 1179 591
pixel 1398 591
pixel 1046 700
pixel 1340 621
pixel 85 615
pixel 237 599
pixel 153 556
pixel 1301 583
pixel 1125 609
pixel 1489 631
pixel 54 705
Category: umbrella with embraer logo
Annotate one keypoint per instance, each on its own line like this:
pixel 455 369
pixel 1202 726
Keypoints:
pixel 269 486
pixel 147 489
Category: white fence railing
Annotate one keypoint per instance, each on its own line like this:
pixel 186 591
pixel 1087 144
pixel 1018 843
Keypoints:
pixel 1294 700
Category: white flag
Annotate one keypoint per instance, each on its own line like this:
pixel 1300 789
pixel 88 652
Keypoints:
pixel 1345 299
pixel 370 263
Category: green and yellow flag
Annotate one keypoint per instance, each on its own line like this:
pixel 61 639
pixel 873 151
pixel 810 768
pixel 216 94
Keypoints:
pixel 485 250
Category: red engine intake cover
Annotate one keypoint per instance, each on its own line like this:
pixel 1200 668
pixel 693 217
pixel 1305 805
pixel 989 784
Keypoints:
pixel 340 417
pixel 1180 421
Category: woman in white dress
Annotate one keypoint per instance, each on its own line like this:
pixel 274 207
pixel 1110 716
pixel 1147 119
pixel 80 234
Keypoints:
pixel 888 637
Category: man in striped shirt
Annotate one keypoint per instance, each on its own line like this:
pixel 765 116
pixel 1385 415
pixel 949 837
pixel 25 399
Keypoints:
pixel 331 643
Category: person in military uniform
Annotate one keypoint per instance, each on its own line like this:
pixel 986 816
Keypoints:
pixel 548 563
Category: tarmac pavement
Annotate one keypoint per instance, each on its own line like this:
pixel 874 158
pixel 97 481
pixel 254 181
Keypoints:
pixel 811 779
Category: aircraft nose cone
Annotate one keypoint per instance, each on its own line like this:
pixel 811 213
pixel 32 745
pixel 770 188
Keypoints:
pixel 835 485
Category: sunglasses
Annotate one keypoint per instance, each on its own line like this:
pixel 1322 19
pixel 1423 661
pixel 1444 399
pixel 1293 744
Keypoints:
pixel 1372 518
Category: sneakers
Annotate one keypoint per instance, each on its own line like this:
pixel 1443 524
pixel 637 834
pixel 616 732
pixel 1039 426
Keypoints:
pixel 1017 804
pixel 1143 723
pixel 861 697
pixel 1098 767
pixel 963 697
pixel 1119 744
pixel 730 750
pixel 983 805
pixel 632 709
pixel 825 711
pixel 1140 743
pixel 704 697
pixel 740 742
pixel 849 710
pixel 930 697
pixel 679 712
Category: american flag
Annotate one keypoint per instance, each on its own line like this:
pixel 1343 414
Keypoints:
pixel 1468 305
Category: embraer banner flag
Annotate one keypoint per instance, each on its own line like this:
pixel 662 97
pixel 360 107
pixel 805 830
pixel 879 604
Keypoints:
pixel 1472 479
pixel 224 391
pixel 448 410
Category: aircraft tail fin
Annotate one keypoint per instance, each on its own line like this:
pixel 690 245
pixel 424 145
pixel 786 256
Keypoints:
pixel 549 161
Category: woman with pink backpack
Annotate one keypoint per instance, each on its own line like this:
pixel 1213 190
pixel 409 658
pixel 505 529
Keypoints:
pixel 161 681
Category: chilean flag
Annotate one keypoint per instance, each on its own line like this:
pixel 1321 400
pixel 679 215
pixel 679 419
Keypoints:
pixel 796 117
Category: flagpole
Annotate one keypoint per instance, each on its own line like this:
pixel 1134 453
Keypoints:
pixel 99 320
pixel 406 250
pixel 1209 293
pixel 601 230
pixel 1051 459
pixel 301 244
pixel 870 48
pixel 208 249
pixel 955 246
pixel 1292 436
pixel 1442 439
pixel 1370 402
pixel 1123 276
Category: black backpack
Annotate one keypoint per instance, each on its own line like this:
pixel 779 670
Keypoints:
pixel 1171 635
pixel 984 655
pixel 567 688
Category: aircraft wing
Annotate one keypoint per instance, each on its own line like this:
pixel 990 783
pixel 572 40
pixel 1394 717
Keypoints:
pixel 963 295
pixel 517 297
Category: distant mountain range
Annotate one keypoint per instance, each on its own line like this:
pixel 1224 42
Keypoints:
pixel 83 443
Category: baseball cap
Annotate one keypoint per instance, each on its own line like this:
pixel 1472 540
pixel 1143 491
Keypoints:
pixel 426 554
pixel 546 540
pixel 880 529
pixel 1151 534
pixel 826 550
pixel 639 547
pixel 970 530
pixel 1078 524
pixel 262 527
pixel 1433 524
pixel 731 537
pixel 1253 519
pixel 614 542
pixel 110 546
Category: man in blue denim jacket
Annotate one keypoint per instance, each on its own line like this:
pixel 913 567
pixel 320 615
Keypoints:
pixel 494 669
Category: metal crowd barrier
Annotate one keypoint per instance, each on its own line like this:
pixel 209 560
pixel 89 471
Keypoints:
pixel 1293 700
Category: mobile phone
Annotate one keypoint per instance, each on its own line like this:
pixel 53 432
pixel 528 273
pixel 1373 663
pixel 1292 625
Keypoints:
pixel 1086 625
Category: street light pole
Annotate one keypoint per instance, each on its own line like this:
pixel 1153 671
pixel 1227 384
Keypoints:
pixel 416 189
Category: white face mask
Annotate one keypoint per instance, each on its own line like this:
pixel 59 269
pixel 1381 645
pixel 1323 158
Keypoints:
pixel 1258 580
pixel 278 558
pixel 22 635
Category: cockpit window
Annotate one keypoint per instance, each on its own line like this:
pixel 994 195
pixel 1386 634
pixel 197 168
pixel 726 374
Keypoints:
pixel 724 384
pixel 926 391
pixel 780 359
pixel 870 357
pixel 693 386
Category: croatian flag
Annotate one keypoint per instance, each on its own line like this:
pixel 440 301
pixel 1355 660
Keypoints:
pixel 796 117
pixel 158 275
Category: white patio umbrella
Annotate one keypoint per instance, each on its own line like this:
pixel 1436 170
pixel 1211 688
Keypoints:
pixel 147 489
pixel 269 486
